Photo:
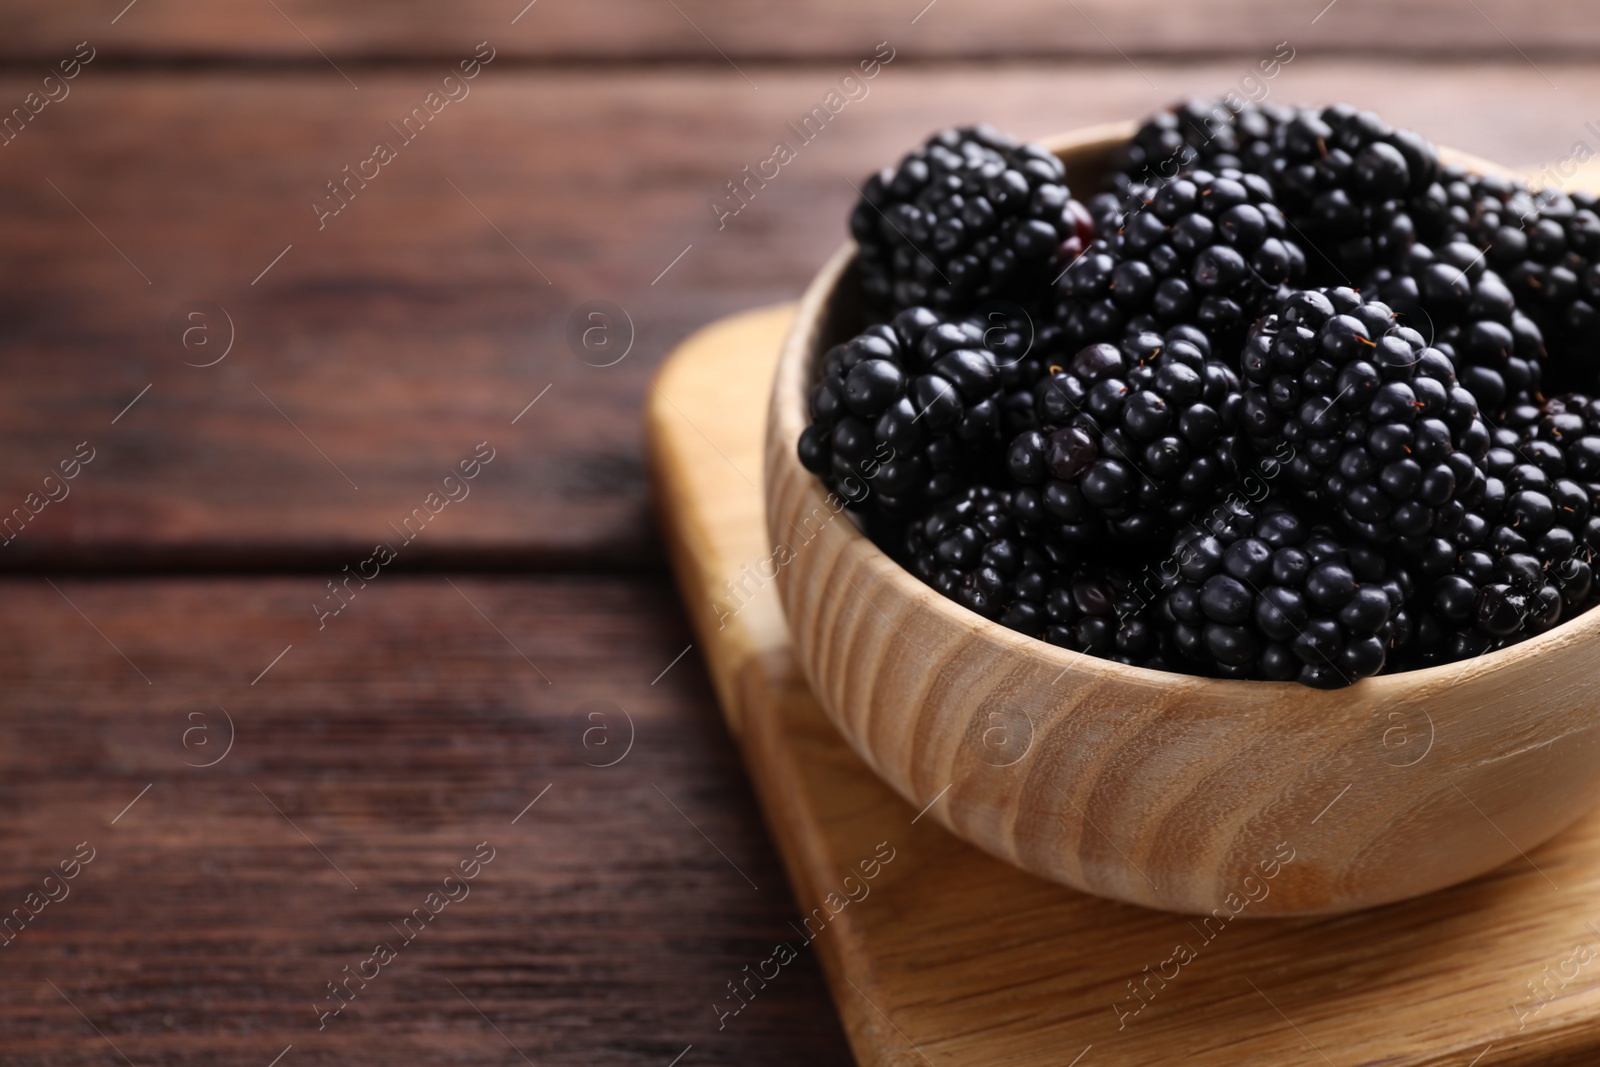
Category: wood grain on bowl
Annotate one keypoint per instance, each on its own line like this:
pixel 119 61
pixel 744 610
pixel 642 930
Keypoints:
pixel 1155 788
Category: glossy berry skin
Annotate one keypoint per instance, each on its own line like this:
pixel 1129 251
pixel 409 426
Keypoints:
pixel 1132 438
pixel 969 217
pixel 1466 309
pixel 910 411
pixel 1523 559
pixel 1093 608
pixel 1545 244
pixel 1204 134
pixel 1351 184
pixel 1355 190
pixel 1206 248
pixel 1557 282
pixel 1381 431
pixel 1260 592
pixel 970 549
pixel 1550 474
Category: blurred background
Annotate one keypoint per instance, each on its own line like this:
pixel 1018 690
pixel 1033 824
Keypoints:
pixel 289 282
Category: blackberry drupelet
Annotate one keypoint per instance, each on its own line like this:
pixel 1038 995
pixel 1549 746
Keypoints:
pixel 1132 438
pixel 970 216
pixel 1208 248
pixel 1260 592
pixel 1382 432
pixel 914 409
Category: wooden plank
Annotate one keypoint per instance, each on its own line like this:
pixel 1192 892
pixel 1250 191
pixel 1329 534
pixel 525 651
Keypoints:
pixel 382 750
pixel 707 30
pixel 947 956
pixel 378 352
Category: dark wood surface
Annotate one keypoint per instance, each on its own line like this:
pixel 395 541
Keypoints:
pixel 397 739
pixel 367 362
pixel 697 30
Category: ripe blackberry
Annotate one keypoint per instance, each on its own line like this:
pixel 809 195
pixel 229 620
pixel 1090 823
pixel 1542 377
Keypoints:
pixel 1382 432
pixel 1207 248
pixel 1466 309
pixel 1094 609
pixel 1551 473
pixel 1206 134
pixel 1487 603
pixel 1260 592
pixel 913 409
pixel 1546 244
pixel 1351 184
pixel 1485 210
pixel 1523 558
pixel 971 550
pixel 970 216
pixel 1132 438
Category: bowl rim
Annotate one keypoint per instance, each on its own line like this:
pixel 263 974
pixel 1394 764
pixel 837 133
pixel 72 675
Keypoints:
pixel 788 416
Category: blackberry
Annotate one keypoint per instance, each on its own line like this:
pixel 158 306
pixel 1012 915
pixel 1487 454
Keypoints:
pixel 1261 592
pixel 913 409
pixel 1207 248
pixel 1382 432
pixel 1207 134
pixel 1094 609
pixel 1523 558
pixel 1351 185
pixel 971 550
pixel 1132 438
pixel 1463 307
pixel 1546 244
pixel 1551 472
pixel 970 216
pixel 1488 211
pixel 1487 603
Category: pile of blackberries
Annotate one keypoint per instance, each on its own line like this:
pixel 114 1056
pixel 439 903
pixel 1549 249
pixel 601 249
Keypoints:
pixel 1292 400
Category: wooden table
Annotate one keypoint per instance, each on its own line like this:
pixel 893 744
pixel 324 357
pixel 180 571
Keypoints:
pixel 179 594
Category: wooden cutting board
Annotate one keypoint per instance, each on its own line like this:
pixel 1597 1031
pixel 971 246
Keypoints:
pixel 938 954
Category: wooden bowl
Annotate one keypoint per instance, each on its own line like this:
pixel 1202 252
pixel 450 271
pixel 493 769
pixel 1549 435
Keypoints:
pixel 1189 794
